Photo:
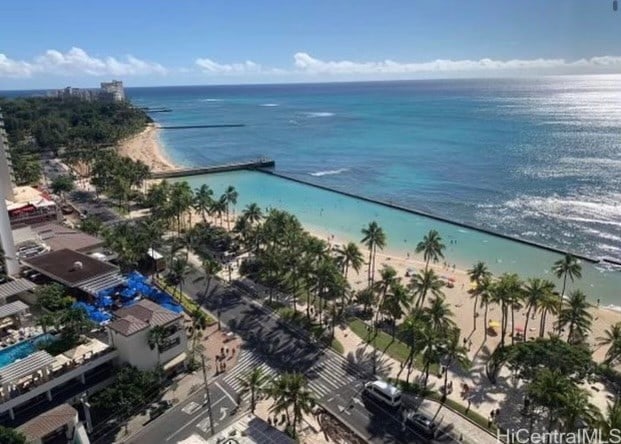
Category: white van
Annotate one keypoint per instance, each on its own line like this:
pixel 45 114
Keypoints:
pixel 384 392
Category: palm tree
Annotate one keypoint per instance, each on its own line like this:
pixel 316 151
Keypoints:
pixel 535 291
pixel 350 256
pixel 548 304
pixel 203 198
pixel 506 292
pixel 486 297
pixel 210 268
pixel 478 273
pixel 431 246
pixel 181 199
pixel 611 423
pixel 253 382
pixel 410 332
pixel 253 213
pixel 577 410
pixel 454 353
pixel 219 207
pixel 547 391
pixel 396 301
pixel 576 314
pixel 439 315
pixel 373 238
pixel 230 197
pixel 430 347
pixel 290 391
pixel 388 277
pixel 157 339
pixel 566 267
pixel 177 273
pixel 612 338
pixel 424 282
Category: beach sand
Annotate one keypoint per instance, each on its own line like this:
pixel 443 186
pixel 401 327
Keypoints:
pixel 147 148
pixel 462 304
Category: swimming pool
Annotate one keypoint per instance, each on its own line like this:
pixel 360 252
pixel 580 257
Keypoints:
pixel 10 354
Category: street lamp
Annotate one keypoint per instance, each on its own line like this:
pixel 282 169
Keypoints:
pixel 207 397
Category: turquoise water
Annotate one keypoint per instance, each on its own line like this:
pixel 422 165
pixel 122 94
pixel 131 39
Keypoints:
pixel 23 349
pixel 344 217
pixel 538 159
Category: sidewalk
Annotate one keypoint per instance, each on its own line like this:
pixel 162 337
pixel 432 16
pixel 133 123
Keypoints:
pixel 459 426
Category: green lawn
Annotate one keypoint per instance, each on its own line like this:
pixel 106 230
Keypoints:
pixel 389 345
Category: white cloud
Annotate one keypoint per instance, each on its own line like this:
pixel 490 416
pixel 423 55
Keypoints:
pixel 14 68
pixel 308 64
pixel 209 66
pixel 76 61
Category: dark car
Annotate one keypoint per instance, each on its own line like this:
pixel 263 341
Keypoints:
pixel 158 408
pixel 423 424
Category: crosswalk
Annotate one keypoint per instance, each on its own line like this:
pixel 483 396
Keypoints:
pixel 332 373
pixel 247 362
pixel 327 375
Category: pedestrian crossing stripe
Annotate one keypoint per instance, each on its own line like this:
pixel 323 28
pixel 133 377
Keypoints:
pixel 190 408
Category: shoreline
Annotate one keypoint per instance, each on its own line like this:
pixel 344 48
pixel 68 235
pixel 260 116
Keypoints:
pixel 147 147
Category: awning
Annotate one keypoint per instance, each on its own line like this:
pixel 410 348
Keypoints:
pixel 95 285
pixel 17 286
pixel 25 367
pixel 12 309
pixel 175 361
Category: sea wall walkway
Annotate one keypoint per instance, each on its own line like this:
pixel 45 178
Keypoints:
pixel 257 164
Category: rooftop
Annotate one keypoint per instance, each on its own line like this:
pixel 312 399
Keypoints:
pixel 69 267
pixel 26 367
pixel 59 237
pixel 12 309
pixel 148 312
pixel 128 325
pixel 48 422
pixel 17 286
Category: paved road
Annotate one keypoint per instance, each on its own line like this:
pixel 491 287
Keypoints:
pixel 336 382
pixel 191 417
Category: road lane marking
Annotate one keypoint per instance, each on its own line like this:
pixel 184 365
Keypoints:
pixel 227 394
pixel 200 415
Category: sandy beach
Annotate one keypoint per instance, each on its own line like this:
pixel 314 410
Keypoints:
pixel 147 148
pixel 462 304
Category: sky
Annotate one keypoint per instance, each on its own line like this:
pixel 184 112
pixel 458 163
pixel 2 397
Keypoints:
pixel 51 44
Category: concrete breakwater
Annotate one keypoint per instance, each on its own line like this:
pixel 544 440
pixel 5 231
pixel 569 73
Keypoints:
pixel 258 164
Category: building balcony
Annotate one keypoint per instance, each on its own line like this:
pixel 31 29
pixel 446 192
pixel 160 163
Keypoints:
pixel 29 389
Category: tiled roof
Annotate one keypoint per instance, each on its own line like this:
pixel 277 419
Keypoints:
pixel 47 422
pixel 149 312
pixel 127 325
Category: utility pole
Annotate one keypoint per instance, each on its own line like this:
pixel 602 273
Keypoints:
pixel 207 397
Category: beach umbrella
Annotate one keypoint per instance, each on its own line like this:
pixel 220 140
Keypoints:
pixel 493 324
pixel 519 329
pixel 451 279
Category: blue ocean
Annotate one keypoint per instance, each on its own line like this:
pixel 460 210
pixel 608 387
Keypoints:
pixel 536 159
pixel 533 159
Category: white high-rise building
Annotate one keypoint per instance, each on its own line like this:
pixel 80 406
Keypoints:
pixel 6 192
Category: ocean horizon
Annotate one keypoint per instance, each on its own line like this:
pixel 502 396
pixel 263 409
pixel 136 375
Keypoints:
pixel 533 159
pixel 536 159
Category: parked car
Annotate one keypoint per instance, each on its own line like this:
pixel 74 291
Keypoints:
pixel 158 408
pixel 422 423
pixel 383 392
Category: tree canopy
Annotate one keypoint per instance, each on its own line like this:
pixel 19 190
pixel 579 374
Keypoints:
pixel 529 358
